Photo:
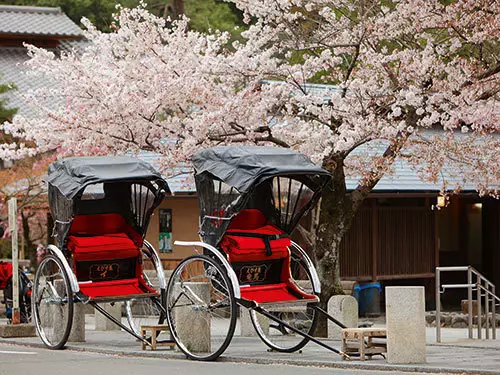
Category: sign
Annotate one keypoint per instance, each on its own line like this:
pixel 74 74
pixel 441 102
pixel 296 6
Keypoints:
pixel 165 236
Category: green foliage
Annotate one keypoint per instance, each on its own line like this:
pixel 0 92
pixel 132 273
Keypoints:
pixel 214 15
pixel 5 113
pixel 98 11
pixel 204 14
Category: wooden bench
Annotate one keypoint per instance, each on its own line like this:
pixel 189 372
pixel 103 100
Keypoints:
pixel 155 332
pixel 360 341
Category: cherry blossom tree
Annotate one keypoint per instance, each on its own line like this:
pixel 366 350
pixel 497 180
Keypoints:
pixel 24 182
pixel 419 77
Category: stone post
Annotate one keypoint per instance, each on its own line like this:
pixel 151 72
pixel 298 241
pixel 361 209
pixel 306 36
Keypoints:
pixel 77 333
pixel 192 324
pixel 104 324
pixel 345 310
pixel 247 328
pixel 405 316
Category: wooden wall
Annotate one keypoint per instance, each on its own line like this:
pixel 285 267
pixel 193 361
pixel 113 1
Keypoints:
pixel 389 242
pixel 184 228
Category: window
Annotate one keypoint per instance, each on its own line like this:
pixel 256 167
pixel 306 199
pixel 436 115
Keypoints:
pixel 165 237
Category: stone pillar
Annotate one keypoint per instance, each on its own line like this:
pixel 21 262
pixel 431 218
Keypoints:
pixel 247 328
pixel 345 310
pixel 192 324
pixel 77 333
pixel 405 315
pixel 104 324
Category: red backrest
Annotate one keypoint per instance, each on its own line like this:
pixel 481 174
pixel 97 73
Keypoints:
pixel 103 224
pixel 248 219
pixel 241 248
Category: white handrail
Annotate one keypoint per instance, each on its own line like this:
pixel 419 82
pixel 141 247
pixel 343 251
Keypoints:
pixel 483 288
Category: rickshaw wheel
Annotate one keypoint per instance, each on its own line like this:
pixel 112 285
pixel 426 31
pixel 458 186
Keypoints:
pixel 201 308
pixel 52 302
pixel 146 311
pixel 304 317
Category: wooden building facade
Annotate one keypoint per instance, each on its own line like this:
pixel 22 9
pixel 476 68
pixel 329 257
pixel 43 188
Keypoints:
pixel 400 241
pixel 395 239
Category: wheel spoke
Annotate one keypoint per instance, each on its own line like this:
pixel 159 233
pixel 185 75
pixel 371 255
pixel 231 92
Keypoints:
pixel 146 311
pixel 201 308
pixel 53 302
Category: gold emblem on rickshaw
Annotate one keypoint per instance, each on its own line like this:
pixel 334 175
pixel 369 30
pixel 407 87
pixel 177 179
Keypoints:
pixel 104 271
pixel 253 273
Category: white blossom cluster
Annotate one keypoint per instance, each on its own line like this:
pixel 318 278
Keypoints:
pixel 398 71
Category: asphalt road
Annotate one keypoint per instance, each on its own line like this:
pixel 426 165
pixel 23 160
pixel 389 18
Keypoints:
pixel 16 360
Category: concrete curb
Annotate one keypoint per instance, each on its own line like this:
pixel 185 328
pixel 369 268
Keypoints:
pixel 170 355
pixel 17 330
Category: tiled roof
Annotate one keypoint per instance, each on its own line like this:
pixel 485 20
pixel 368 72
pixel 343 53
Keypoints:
pixel 39 21
pixel 181 179
pixel 403 179
pixel 13 71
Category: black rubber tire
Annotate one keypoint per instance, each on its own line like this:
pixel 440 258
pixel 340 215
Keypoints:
pixel 157 305
pixel 65 326
pixel 222 285
pixel 268 341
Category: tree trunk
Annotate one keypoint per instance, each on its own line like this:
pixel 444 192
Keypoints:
pixel 335 219
pixel 178 8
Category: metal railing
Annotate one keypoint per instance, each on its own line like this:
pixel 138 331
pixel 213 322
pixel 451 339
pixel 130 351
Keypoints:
pixel 475 283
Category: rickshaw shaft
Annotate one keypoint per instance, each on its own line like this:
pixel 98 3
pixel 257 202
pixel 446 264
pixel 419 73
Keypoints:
pixel 267 314
pixel 328 316
pixel 119 324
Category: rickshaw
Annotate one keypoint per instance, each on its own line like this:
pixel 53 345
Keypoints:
pixel 101 207
pixel 251 198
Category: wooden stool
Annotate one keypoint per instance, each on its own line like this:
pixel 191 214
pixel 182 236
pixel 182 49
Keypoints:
pixel 353 341
pixel 155 330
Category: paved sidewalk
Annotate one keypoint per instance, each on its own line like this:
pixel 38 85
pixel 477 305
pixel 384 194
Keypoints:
pixel 456 355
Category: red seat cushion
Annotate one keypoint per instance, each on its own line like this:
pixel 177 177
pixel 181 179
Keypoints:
pixel 114 288
pixel 257 270
pixel 281 292
pixel 103 247
pixel 243 249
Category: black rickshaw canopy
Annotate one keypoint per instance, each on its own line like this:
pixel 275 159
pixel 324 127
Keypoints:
pixel 283 184
pixel 71 175
pixel 244 167
pixel 103 184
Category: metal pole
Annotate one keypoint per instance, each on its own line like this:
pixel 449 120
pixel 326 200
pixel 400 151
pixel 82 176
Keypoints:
pixel 15 260
pixel 487 309
pixel 479 312
pixel 493 315
pixel 438 306
pixel 469 301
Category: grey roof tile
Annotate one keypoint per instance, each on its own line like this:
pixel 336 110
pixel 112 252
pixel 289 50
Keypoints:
pixel 13 71
pixel 25 20
pixel 180 179
pixel 404 178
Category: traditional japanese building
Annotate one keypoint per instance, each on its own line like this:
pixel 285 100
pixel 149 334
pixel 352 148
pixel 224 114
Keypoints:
pixel 42 27
pixel 398 237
